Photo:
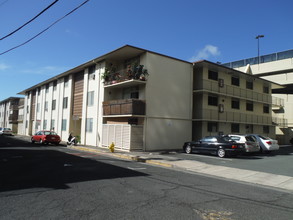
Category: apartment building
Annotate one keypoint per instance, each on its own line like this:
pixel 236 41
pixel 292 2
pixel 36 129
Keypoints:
pixel 142 100
pixel 229 101
pixel 9 109
pixel 278 68
pixel 112 99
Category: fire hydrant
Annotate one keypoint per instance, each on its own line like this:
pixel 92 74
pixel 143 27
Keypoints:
pixel 111 147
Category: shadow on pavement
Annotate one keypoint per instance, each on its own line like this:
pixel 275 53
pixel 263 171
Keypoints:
pixel 30 167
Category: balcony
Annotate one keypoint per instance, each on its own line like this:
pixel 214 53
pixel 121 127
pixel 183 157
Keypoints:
pixel 133 73
pixel 13 118
pixel 124 107
pixel 232 117
pixel 237 92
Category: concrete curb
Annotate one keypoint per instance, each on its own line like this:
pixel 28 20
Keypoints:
pixel 245 176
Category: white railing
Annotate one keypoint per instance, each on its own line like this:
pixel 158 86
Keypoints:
pixel 234 91
pixel 234 117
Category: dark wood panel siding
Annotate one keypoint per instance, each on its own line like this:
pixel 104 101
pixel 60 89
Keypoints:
pixel 78 93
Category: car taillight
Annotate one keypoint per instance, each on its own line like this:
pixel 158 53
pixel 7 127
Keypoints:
pixel 269 142
pixel 234 146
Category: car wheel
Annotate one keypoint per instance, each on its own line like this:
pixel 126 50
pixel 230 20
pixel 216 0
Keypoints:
pixel 33 141
pixel 41 141
pixel 221 152
pixel 188 149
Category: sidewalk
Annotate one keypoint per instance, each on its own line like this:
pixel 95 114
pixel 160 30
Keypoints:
pixel 248 176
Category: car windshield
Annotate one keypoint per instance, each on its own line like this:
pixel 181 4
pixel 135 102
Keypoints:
pixel 264 138
pixel 50 133
pixel 250 138
pixel 235 138
pixel 227 139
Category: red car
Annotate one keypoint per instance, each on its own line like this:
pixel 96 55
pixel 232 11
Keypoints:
pixel 46 137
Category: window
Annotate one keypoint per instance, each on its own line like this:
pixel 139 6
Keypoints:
pixel 89 125
pixel 46 106
pixel 235 81
pixel 90 98
pixel 235 128
pixel 131 93
pixel 45 124
pixel 213 75
pixel 249 106
pixel 92 70
pixel 249 85
pixel 213 100
pixel 212 127
pixel 235 104
pixel 47 88
pixel 266 89
pixel 27 109
pixel 65 102
pixel 52 124
pixel 64 123
pixel 266 109
pixel 38 124
pixel 38 107
pixel 55 85
pixel 54 104
pixel 66 79
pixel 266 129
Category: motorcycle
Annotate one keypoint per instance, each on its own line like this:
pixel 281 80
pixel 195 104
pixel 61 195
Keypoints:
pixel 71 140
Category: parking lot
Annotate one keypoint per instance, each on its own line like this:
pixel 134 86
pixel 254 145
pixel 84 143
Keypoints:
pixel 277 162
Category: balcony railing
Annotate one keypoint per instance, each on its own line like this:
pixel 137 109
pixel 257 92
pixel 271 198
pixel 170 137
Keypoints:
pixel 232 117
pixel 281 122
pixel 113 76
pixel 213 86
pixel 124 107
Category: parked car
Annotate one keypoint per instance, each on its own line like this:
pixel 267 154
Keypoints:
pixel 6 131
pixel 222 146
pixel 251 144
pixel 266 144
pixel 46 137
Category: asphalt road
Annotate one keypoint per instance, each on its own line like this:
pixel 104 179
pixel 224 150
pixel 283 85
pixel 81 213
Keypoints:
pixel 48 182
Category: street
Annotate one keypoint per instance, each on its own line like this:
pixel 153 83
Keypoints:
pixel 55 182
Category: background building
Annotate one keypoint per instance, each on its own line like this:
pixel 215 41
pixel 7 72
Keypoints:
pixel 278 68
pixel 9 109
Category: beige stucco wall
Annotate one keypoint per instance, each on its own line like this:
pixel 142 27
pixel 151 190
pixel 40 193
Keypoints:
pixel 168 102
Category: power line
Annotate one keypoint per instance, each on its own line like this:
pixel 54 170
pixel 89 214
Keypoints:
pixel 30 20
pixel 13 48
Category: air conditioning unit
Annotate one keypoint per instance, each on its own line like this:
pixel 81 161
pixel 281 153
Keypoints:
pixel 221 82
pixel 221 108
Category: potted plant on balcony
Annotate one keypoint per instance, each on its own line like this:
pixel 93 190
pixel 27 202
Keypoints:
pixel 136 71
pixel 110 75
pixel 106 76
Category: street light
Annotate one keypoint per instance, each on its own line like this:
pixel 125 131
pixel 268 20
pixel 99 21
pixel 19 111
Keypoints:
pixel 257 37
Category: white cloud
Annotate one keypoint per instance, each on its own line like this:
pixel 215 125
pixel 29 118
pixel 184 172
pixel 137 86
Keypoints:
pixel 206 53
pixel 3 66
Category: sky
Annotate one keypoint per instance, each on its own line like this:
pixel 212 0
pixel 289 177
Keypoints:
pixel 191 30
